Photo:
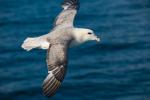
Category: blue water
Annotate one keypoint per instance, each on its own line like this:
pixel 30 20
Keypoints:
pixel 118 68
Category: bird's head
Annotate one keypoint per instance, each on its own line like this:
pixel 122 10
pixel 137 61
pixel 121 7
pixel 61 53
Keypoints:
pixel 83 35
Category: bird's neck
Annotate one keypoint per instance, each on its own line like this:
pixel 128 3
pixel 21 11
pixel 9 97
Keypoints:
pixel 77 34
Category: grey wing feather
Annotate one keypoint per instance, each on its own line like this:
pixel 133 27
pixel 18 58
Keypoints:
pixel 57 66
pixel 66 17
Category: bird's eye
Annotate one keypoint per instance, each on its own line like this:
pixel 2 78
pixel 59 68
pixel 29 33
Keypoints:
pixel 89 33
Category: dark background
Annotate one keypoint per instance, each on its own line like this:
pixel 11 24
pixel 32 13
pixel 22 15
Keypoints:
pixel 118 68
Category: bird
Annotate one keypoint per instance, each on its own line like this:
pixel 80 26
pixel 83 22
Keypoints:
pixel 57 42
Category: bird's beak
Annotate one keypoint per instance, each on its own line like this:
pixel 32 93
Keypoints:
pixel 96 38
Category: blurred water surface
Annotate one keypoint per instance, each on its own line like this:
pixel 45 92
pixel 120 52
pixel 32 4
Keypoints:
pixel 116 69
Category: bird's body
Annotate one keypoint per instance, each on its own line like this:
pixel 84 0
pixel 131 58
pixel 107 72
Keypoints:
pixel 57 43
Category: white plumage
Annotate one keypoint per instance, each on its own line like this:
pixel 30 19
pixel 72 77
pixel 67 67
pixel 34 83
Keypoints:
pixel 37 42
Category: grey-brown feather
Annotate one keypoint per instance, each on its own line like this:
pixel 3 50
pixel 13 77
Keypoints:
pixel 60 35
pixel 57 55
pixel 50 86
pixel 66 17
pixel 57 65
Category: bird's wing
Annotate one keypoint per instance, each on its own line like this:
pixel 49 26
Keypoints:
pixel 57 64
pixel 66 17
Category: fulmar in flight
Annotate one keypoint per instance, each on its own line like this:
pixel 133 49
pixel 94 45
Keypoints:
pixel 57 43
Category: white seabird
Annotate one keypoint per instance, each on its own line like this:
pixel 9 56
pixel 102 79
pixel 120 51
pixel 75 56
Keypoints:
pixel 57 43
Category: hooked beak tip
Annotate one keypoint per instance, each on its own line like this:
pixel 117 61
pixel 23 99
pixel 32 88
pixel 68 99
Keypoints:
pixel 98 39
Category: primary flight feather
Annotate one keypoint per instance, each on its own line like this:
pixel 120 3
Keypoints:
pixel 57 42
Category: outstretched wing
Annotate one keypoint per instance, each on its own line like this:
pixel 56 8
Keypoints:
pixel 57 65
pixel 66 17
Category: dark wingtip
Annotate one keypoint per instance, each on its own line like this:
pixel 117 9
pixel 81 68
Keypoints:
pixel 50 86
pixel 71 4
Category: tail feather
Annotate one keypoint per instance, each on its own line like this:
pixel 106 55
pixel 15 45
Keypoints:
pixel 31 43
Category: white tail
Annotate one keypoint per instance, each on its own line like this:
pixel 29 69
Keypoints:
pixel 31 43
